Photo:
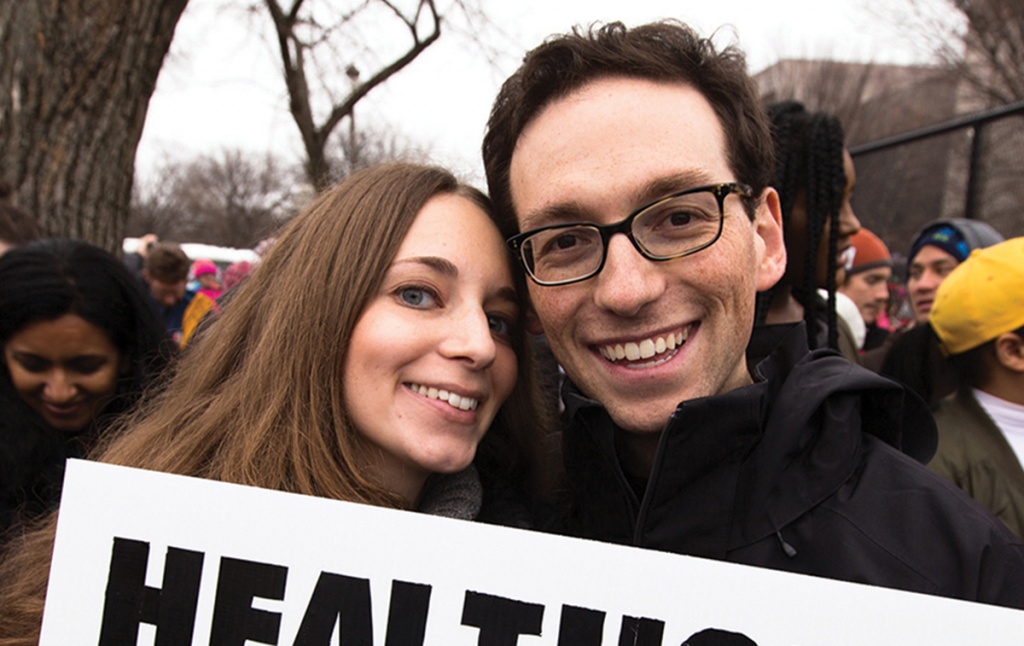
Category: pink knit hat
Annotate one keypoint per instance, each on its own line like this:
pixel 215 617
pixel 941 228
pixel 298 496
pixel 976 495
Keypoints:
pixel 203 266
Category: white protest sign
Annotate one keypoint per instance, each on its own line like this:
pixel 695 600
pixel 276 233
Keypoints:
pixel 149 558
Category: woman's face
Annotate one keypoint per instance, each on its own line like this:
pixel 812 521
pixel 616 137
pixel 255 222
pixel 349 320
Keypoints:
pixel 65 369
pixel 797 231
pixel 430 360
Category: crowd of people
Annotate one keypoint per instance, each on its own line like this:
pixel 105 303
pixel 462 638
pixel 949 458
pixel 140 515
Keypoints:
pixel 727 379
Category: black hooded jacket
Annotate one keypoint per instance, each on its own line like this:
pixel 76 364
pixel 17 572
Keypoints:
pixel 814 469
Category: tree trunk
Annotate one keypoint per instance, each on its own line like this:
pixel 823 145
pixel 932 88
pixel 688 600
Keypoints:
pixel 77 76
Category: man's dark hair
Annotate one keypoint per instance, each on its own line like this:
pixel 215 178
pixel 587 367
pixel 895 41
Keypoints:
pixel 167 263
pixel 972 367
pixel 667 51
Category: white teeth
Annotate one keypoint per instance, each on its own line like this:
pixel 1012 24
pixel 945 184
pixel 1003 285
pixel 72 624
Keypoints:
pixel 632 351
pixel 645 349
pixel 453 400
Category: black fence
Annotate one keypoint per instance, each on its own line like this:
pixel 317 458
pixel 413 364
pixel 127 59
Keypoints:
pixel 968 167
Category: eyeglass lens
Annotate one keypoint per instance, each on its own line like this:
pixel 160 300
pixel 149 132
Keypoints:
pixel 665 229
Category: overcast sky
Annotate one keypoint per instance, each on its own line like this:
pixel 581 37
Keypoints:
pixel 221 88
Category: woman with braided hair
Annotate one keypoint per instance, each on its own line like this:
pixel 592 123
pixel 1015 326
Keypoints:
pixel 814 176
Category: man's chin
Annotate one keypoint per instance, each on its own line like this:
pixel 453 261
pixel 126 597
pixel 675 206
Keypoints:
pixel 640 418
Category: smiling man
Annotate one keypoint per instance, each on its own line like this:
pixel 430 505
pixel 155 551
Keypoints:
pixel 635 165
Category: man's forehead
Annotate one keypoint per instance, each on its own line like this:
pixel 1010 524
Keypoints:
pixel 631 137
pixel 930 255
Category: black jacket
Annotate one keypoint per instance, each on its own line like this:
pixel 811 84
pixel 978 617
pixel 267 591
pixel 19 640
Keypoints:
pixel 806 471
pixel 32 456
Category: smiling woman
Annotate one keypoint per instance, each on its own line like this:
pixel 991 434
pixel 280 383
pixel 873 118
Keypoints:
pixel 79 345
pixel 375 355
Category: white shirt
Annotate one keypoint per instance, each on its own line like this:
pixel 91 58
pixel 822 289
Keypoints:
pixel 1009 417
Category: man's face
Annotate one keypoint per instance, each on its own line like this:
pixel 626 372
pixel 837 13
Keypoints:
pixel 869 289
pixel 167 294
pixel 598 154
pixel 928 269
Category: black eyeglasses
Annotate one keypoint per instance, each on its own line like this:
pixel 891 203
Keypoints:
pixel 674 226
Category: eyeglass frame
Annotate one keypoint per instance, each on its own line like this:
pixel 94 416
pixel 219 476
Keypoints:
pixel 625 226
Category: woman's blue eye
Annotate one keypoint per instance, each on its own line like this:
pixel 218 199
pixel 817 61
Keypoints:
pixel 416 297
pixel 499 326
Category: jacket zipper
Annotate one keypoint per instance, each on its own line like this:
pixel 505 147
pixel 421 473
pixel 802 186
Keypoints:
pixel 655 469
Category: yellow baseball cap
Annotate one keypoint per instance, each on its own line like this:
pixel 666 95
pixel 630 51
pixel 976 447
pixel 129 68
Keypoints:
pixel 981 298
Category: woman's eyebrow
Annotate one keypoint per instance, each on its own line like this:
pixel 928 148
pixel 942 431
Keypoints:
pixel 507 294
pixel 436 263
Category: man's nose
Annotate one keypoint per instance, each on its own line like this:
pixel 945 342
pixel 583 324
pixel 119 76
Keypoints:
pixel 628 281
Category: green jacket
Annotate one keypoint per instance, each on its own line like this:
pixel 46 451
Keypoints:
pixel 975 456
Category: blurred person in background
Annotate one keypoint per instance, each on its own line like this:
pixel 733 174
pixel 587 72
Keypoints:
pixel 937 249
pixel 815 178
pixel 166 276
pixel 135 259
pixel 80 345
pixel 866 283
pixel 978 316
pixel 207 278
pixel 913 357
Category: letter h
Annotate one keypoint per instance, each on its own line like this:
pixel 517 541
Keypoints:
pixel 129 601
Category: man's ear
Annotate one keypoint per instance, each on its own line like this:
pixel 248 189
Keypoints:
pixel 1010 351
pixel 769 240
pixel 533 325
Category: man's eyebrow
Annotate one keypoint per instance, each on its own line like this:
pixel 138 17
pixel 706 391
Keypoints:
pixel 573 211
pixel 554 214
pixel 434 262
pixel 661 186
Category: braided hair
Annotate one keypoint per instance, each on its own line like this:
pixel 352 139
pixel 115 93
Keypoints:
pixel 809 162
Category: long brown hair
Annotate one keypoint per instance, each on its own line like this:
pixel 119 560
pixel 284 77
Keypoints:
pixel 258 399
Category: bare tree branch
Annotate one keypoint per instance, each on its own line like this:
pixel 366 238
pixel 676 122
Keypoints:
pixel 979 42
pixel 301 37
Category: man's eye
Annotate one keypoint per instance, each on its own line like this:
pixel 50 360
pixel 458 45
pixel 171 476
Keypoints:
pixel 563 241
pixel 679 218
